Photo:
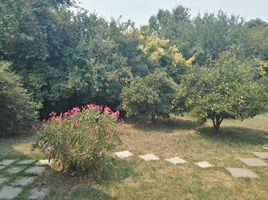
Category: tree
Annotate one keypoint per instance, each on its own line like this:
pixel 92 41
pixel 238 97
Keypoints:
pixel 151 96
pixel 17 110
pixel 156 52
pixel 227 89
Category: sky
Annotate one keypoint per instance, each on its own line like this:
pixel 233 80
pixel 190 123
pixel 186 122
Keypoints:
pixel 140 11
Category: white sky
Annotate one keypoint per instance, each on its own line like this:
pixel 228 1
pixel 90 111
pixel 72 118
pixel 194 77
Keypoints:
pixel 140 11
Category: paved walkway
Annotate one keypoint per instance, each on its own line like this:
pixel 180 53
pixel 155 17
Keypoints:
pixel 17 176
pixel 234 171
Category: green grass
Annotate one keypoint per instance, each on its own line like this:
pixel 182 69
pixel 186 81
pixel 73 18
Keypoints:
pixel 134 179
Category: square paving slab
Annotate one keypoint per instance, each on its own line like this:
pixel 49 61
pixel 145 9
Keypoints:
pixel 149 157
pixel 15 170
pixel 204 164
pixel 24 181
pixel 45 162
pixel 39 194
pixel 176 160
pixel 9 192
pixel 35 170
pixel 242 173
pixel 262 155
pixel 42 162
pixel 3 179
pixel 7 162
pixel 254 162
pixel 123 154
pixel 26 162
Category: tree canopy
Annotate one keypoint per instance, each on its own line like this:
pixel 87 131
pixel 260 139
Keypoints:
pixel 225 90
pixel 67 58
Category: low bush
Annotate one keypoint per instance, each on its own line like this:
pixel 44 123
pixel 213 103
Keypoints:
pixel 17 110
pixel 79 139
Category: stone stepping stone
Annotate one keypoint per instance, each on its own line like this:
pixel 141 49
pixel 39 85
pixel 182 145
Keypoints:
pixel 39 194
pixel 45 162
pixel 266 148
pixel 176 160
pixel 123 154
pixel 3 179
pixel 26 162
pixel 2 167
pixel 15 170
pixel 24 181
pixel 9 192
pixel 7 162
pixel 262 155
pixel 204 164
pixel 242 173
pixel 42 162
pixel 254 162
pixel 149 157
pixel 37 170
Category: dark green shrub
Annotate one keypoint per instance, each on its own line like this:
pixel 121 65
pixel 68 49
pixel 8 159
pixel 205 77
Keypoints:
pixel 17 110
pixel 149 96
pixel 79 139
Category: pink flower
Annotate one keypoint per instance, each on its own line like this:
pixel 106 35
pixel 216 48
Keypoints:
pixel 93 106
pixel 107 110
pixel 115 115
pixel 66 114
pixel 74 110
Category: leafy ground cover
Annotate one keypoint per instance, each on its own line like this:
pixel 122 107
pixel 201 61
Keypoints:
pixel 133 178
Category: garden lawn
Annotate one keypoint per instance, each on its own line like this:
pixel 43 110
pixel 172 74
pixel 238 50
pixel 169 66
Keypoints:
pixel 133 178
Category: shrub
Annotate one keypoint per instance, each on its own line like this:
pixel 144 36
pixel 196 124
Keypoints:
pixel 151 95
pixel 79 139
pixel 17 111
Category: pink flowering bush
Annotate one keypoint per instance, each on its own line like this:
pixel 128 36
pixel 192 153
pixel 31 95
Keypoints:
pixel 79 138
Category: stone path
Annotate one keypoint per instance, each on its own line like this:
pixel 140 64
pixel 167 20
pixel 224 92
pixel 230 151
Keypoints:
pixel 9 192
pixel 16 175
pixel 242 173
pixel 123 154
pixel 254 162
pixel 262 155
pixel 149 157
pixel 176 160
pixel 38 193
pixel 235 172
pixel 204 164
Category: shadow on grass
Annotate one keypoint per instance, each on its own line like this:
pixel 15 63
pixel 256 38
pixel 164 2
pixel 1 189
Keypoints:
pixel 85 185
pixel 164 125
pixel 88 193
pixel 236 135
pixel 115 170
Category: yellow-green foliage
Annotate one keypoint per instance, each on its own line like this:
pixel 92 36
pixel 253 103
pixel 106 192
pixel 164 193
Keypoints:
pixel 263 67
pixel 156 48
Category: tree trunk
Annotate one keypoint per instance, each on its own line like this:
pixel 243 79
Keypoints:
pixel 153 117
pixel 217 122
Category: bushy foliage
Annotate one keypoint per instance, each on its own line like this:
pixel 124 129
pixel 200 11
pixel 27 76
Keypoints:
pixel 151 95
pixel 17 110
pixel 79 138
pixel 227 89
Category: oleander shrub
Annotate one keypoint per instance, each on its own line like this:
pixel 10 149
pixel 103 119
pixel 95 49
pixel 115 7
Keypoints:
pixel 80 138
pixel 17 109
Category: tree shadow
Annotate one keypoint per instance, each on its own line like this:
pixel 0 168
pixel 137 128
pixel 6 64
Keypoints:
pixel 237 135
pixel 164 125
pixel 88 194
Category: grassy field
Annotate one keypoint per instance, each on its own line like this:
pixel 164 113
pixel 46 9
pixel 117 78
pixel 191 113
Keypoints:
pixel 135 179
